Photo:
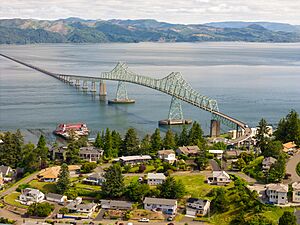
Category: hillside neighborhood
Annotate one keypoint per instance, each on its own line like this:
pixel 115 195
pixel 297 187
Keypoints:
pixel 183 178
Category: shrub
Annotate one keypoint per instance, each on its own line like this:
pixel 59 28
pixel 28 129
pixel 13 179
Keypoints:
pixel 63 210
pixel 22 186
pixel 40 209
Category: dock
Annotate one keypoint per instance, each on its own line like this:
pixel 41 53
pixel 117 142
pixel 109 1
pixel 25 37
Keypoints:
pixel 174 122
pixel 121 101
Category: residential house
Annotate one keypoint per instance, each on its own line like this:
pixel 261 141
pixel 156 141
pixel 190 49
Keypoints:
pixel 134 159
pixel 167 206
pixel 219 178
pixel 90 154
pixel 51 174
pixel 197 207
pixel 30 195
pixel 188 150
pixel 277 193
pixel 296 192
pixel 95 179
pixel 268 162
pixel 77 206
pixel 7 173
pixel 59 153
pixel 155 178
pixel 114 204
pixel 60 199
pixel 289 147
pixel 217 153
pixel 167 156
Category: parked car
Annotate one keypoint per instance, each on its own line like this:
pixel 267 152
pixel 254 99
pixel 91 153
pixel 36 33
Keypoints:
pixel 144 220
pixel 170 218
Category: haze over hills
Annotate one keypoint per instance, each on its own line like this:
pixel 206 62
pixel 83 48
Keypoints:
pixel 76 30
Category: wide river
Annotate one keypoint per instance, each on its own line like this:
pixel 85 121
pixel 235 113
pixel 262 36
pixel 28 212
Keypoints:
pixel 249 81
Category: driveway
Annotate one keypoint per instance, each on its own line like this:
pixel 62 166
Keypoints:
pixel 16 185
pixel 214 165
pixel 291 167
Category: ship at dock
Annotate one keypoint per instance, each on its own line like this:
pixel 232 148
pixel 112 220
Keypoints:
pixel 67 130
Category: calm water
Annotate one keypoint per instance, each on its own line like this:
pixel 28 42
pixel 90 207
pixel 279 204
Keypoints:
pixel 249 80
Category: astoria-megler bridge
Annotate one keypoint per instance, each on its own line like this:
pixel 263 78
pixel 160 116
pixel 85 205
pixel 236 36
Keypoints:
pixel 173 85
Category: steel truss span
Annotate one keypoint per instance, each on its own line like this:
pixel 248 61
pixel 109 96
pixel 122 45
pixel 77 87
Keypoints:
pixel 173 84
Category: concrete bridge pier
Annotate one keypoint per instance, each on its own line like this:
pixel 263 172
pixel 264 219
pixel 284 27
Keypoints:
pixel 77 83
pixel 93 90
pixel 84 85
pixel 102 88
pixel 215 128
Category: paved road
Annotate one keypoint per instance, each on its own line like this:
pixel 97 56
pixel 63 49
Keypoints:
pixel 15 186
pixel 291 167
pixel 214 165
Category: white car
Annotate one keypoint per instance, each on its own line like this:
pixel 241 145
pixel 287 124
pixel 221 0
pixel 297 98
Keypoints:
pixel 144 220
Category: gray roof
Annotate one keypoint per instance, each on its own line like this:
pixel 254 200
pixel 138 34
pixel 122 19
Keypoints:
pixel 90 149
pixel 54 196
pixel 4 170
pixel 135 157
pixel 193 200
pixel 96 175
pixel 115 203
pixel 160 201
pixel 159 176
pixel 269 160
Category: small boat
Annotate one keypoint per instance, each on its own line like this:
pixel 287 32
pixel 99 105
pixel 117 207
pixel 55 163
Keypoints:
pixel 65 130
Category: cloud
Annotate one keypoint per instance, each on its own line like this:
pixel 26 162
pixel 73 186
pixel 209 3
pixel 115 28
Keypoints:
pixel 177 11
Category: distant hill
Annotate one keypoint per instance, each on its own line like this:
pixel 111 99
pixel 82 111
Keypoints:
pixel 285 27
pixel 76 30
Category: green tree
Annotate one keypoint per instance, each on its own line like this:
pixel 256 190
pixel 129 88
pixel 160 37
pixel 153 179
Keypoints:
pixel 219 146
pixel 42 151
pixel 130 143
pixel 195 136
pixel 183 137
pixel 289 128
pixel 108 150
pixel 262 137
pixel 156 142
pixel 277 170
pixel 169 140
pixel 116 142
pixel 72 154
pixel 40 209
pixel 98 141
pixel 220 202
pixel 63 182
pixel 63 210
pixel 201 160
pixel 30 158
pixel 88 167
pixel 113 187
pixel 136 191
pixel 240 164
pixel 71 194
pixel 146 144
pixel 273 149
pixel 171 188
pixel 288 218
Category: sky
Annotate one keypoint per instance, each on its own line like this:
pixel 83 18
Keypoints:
pixel 174 11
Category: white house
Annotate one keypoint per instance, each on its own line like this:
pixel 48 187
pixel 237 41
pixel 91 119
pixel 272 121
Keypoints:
pixel 134 159
pixel 90 154
pixel 115 204
pixel 167 206
pixel 188 150
pixel 296 192
pixel 30 195
pixel 167 155
pixel 79 207
pixel 7 173
pixel 268 162
pixel 197 207
pixel 219 178
pixel 155 178
pixel 60 199
pixel 217 153
pixel 277 193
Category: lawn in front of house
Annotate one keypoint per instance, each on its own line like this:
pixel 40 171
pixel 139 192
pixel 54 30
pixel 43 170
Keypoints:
pixel 46 187
pixel 11 200
pixel 195 184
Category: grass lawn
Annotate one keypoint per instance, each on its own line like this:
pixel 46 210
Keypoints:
pixel 135 169
pixel 88 187
pixel 10 199
pixel 128 179
pixel 195 184
pixel 45 187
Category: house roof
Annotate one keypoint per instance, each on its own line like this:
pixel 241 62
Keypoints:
pixel 290 144
pixel 115 203
pixel 96 175
pixel 216 151
pixel 198 200
pixel 296 186
pixel 220 174
pixel 31 191
pixel 90 150
pixel 52 172
pixel 278 187
pixel 269 160
pixel 5 170
pixel 54 196
pixel 160 201
pixel 166 152
pixel 159 176
pixel 135 157
pixel 189 149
